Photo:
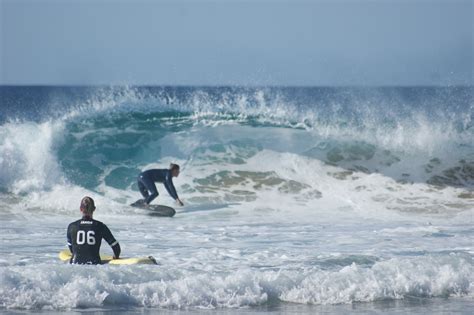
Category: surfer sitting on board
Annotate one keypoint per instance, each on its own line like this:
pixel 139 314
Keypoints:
pixel 84 236
pixel 147 179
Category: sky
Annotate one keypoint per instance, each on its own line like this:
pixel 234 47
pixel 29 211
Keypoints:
pixel 250 43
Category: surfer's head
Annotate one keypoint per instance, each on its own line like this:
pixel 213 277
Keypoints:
pixel 87 206
pixel 174 168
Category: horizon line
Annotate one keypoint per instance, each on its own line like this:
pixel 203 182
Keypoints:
pixel 239 86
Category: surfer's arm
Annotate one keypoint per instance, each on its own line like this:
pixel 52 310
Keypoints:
pixel 110 239
pixel 170 188
pixel 69 238
pixel 172 191
pixel 116 248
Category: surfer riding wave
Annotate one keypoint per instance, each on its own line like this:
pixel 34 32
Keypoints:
pixel 146 183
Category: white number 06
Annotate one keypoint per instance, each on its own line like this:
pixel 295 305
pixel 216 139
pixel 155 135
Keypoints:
pixel 81 237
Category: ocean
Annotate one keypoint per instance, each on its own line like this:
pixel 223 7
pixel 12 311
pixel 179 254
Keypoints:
pixel 302 200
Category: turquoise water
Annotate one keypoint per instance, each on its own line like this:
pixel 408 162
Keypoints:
pixel 296 199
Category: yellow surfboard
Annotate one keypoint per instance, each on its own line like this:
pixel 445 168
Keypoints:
pixel 65 255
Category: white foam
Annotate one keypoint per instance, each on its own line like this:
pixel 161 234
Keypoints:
pixel 28 161
pixel 57 287
pixel 393 279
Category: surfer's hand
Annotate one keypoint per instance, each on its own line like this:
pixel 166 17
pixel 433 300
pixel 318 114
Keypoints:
pixel 179 202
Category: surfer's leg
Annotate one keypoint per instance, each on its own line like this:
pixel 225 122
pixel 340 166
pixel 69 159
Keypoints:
pixel 142 189
pixel 153 195
pixel 151 187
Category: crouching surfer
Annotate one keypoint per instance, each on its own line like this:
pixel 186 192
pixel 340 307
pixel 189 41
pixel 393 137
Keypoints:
pixel 146 183
pixel 84 236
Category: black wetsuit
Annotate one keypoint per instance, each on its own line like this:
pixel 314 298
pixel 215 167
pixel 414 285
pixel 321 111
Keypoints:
pixel 146 183
pixel 84 237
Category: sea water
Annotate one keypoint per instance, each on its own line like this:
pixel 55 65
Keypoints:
pixel 297 200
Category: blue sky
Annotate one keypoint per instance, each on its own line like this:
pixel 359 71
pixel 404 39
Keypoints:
pixel 405 42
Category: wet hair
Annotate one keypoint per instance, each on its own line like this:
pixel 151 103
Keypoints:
pixel 87 205
pixel 174 167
